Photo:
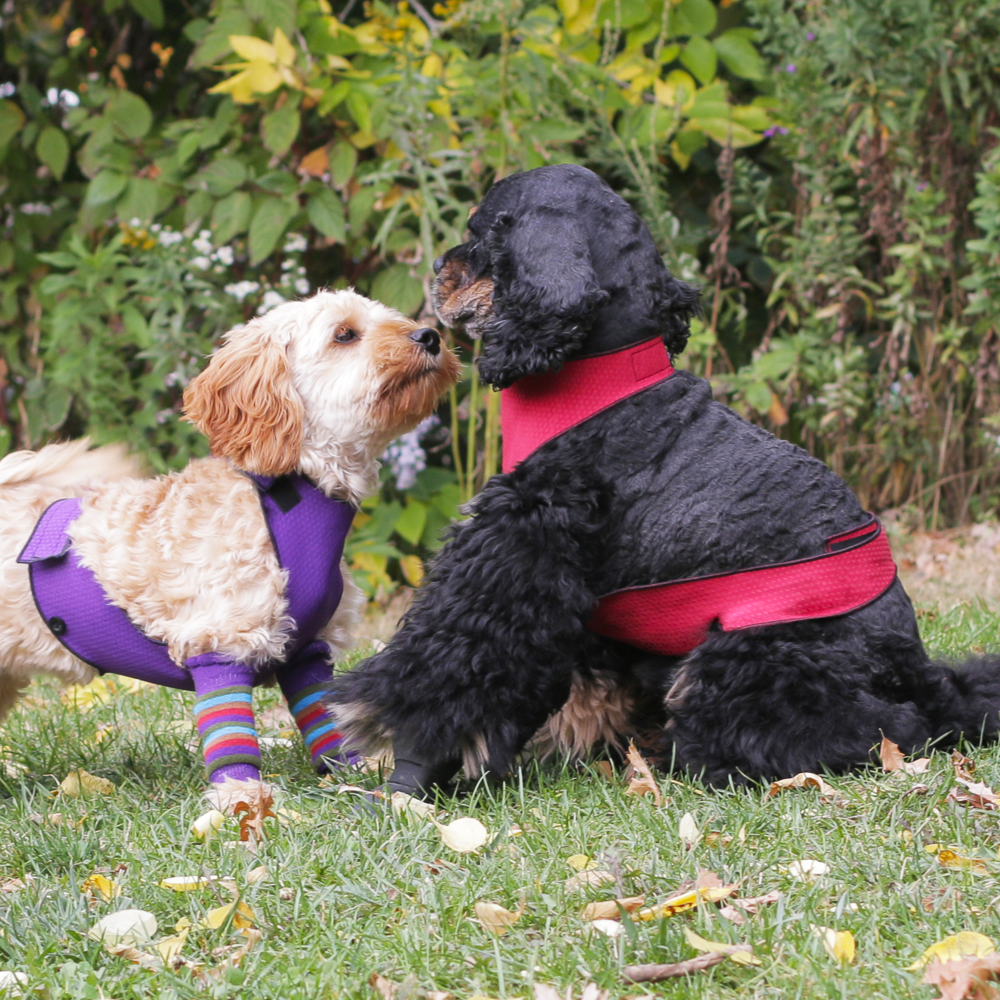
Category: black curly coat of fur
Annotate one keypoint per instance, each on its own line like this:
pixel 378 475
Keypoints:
pixel 664 485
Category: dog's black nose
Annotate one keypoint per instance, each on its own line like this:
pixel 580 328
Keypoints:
pixel 428 338
pixel 438 264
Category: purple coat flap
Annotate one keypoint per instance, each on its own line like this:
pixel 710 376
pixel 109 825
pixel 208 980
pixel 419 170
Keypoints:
pixel 50 537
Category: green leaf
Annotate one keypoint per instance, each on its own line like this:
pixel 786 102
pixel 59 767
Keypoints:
pixel 333 97
pixel 357 104
pixel 343 160
pixel 129 113
pixel 739 55
pixel 693 17
pixel 360 207
pixel 397 288
pixel 151 10
pixel 726 132
pixel 139 201
pixel 269 222
pixel 759 396
pixel 632 12
pixel 105 187
pixel 11 120
pixel 326 213
pixel 699 57
pixel 231 216
pixel 778 361
pixel 411 522
pixel 280 128
pixel 59 259
pixel 197 207
pixel 53 150
pixel 221 176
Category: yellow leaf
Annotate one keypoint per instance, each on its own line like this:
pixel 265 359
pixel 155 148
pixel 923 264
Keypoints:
pixel 169 947
pixel 78 783
pixel 581 862
pixel 258 874
pixel 254 48
pixel 132 685
pixel 84 697
pixel 413 570
pixel 463 835
pixel 183 883
pixel 739 953
pixel 238 87
pixel 839 945
pixel 433 66
pixel 949 859
pixel 283 48
pixel 102 886
pixel 242 915
pixel 963 945
pixel 496 919
pixel 207 824
pixel 687 900
pixel 263 78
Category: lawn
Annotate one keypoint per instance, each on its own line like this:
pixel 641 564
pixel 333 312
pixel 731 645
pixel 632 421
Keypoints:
pixel 348 895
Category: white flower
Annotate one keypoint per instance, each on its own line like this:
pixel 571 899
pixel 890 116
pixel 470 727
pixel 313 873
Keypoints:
pixel 241 289
pixel 202 263
pixel 302 286
pixel 36 208
pixel 296 244
pixel 224 255
pixel 203 242
pixel 405 456
pixel 168 237
pixel 271 299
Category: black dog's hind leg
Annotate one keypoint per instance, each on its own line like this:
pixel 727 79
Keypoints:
pixel 772 702
pixel 490 647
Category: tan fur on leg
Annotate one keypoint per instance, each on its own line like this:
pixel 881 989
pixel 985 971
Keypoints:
pixel 597 709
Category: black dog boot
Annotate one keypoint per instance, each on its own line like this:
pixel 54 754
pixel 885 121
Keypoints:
pixel 417 775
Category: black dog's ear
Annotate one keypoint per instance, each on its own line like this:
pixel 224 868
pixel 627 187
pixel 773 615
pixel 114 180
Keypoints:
pixel 675 303
pixel 545 294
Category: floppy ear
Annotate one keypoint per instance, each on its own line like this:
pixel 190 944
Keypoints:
pixel 676 302
pixel 246 406
pixel 545 294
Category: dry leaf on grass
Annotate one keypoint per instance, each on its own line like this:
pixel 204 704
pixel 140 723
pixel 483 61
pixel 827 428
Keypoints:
pixel 806 870
pixel 184 883
pixel 496 919
pixel 463 835
pixel 408 988
pixel 611 909
pixel 977 795
pixel 252 803
pixel 741 954
pixel 258 874
pixel 242 916
pixel 590 992
pixel 12 885
pixel 127 927
pixel 80 782
pixel 100 885
pixel 751 906
pixel 893 760
pixel 685 900
pixel 688 831
pixel 964 767
pixel 839 945
pixel 207 824
pixel 409 804
pixel 643 782
pixel 609 928
pixel 965 944
pixel 132 954
pixel 949 859
pixel 581 862
pixel 11 983
pixel 170 947
pixel 84 697
pixel 656 973
pixel 965 978
pixel 805 779
pixel 593 878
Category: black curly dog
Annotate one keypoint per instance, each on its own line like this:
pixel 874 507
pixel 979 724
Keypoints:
pixel 664 485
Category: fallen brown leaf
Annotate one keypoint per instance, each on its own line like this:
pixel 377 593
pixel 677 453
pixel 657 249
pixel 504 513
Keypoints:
pixel 656 973
pixel 643 782
pixel 408 988
pixel 252 806
pixel 806 779
pixel 12 885
pixel 611 909
pixel 707 880
pixel 893 760
pixel 963 766
pixel 977 795
pixel 496 919
pixel 731 911
pixel 965 978
pixel 132 954
pixel 595 878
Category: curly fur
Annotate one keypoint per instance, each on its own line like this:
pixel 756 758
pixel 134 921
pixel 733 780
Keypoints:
pixel 664 485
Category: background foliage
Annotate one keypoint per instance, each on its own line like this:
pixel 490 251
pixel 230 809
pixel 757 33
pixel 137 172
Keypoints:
pixel 825 171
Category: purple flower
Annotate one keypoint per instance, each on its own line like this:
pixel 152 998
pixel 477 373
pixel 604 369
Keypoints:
pixel 811 37
pixel 791 68
pixel 922 186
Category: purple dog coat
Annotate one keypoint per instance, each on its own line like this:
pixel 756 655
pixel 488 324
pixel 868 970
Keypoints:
pixel 308 530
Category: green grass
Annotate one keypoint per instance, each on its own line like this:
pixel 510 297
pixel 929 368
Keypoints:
pixel 350 894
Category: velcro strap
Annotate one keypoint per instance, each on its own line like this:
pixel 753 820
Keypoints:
pixel 50 539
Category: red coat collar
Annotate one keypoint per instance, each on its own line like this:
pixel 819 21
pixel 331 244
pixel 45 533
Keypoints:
pixel 539 408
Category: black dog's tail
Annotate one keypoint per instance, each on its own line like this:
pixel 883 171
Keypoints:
pixel 966 702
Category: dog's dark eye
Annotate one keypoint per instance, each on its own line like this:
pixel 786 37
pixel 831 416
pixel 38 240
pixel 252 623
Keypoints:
pixel 345 335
